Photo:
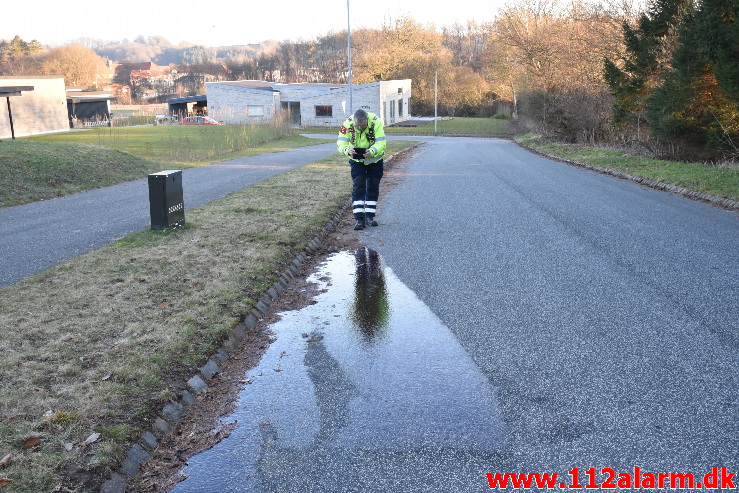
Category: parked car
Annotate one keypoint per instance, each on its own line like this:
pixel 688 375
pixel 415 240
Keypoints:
pixel 199 120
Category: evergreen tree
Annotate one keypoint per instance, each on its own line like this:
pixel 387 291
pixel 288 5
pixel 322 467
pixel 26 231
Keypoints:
pixel 641 69
pixel 17 47
pixel 698 103
pixel 716 28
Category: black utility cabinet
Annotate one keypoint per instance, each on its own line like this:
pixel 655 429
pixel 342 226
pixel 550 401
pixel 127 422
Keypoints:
pixel 165 199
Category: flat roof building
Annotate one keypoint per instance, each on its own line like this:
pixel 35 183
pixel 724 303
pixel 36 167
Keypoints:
pixel 307 104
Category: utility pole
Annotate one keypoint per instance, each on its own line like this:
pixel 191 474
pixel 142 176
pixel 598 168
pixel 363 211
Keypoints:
pixel 349 51
pixel 436 105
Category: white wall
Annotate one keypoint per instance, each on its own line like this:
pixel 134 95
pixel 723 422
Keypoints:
pixel 338 99
pixel 230 104
pixel 395 95
pixel 42 110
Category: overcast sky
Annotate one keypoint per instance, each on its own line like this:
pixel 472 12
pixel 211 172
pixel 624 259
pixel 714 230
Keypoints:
pixel 221 22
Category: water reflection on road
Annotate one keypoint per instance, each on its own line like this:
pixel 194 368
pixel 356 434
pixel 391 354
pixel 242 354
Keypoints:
pixel 364 390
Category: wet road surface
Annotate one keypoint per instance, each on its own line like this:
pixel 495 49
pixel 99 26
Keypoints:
pixel 600 315
pixel 366 390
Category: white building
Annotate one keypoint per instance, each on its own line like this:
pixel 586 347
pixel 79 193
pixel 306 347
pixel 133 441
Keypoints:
pixel 252 101
pixel 40 108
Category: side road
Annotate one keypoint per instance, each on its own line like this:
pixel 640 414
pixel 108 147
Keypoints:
pixel 36 236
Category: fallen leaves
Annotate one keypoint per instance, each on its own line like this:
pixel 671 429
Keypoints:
pixel 4 463
pixel 90 440
pixel 31 442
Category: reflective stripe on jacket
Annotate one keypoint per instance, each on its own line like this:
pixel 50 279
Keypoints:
pixel 372 138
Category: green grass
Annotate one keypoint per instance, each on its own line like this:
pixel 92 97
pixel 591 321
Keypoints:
pixel 195 144
pixel 32 171
pixel 472 127
pixel 50 166
pixel 722 181
pixel 102 340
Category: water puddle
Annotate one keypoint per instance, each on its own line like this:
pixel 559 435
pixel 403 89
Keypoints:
pixel 357 388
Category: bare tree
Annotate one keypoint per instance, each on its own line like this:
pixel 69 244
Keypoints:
pixel 382 54
pixel 559 50
pixel 75 62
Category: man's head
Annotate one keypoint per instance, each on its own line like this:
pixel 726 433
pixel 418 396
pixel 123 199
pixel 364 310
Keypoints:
pixel 360 120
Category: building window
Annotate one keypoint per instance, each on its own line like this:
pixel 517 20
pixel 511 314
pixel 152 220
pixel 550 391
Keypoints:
pixel 400 90
pixel 400 108
pixel 255 110
pixel 326 111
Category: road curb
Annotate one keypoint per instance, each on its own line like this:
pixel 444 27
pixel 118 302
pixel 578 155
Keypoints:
pixel 142 449
pixel 715 200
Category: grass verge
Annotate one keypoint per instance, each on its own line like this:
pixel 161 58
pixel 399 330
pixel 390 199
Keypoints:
pixel 94 347
pixel 453 127
pixel 50 166
pixel 178 143
pixel 718 180
pixel 32 171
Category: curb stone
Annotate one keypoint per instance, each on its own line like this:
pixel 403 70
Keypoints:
pixel 174 411
pixel 197 384
pixel 136 455
pixel 149 441
pixel 116 484
pixel 691 194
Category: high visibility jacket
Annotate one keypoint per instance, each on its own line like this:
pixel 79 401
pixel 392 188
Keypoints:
pixel 372 138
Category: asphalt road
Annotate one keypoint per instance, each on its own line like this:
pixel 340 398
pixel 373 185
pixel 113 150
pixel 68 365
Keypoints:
pixel 604 313
pixel 526 317
pixel 559 319
pixel 36 236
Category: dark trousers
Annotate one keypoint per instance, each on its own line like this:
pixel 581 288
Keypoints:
pixel 366 188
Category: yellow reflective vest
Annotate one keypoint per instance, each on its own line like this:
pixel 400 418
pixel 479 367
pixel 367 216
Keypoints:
pixel 372 138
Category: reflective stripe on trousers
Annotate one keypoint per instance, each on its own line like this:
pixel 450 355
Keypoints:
pixel 366 187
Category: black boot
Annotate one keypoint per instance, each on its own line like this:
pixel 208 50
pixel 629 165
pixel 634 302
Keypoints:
pixel 360 224
pixel 370 221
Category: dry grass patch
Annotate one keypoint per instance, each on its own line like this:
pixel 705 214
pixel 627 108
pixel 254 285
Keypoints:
pixel 96 345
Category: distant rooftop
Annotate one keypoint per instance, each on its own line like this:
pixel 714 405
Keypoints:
pixel 250 84
pixel 14 90
pixel 188 99
pixel 276 86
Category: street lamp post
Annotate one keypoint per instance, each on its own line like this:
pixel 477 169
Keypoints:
pixel 436 105
pixel 349 51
